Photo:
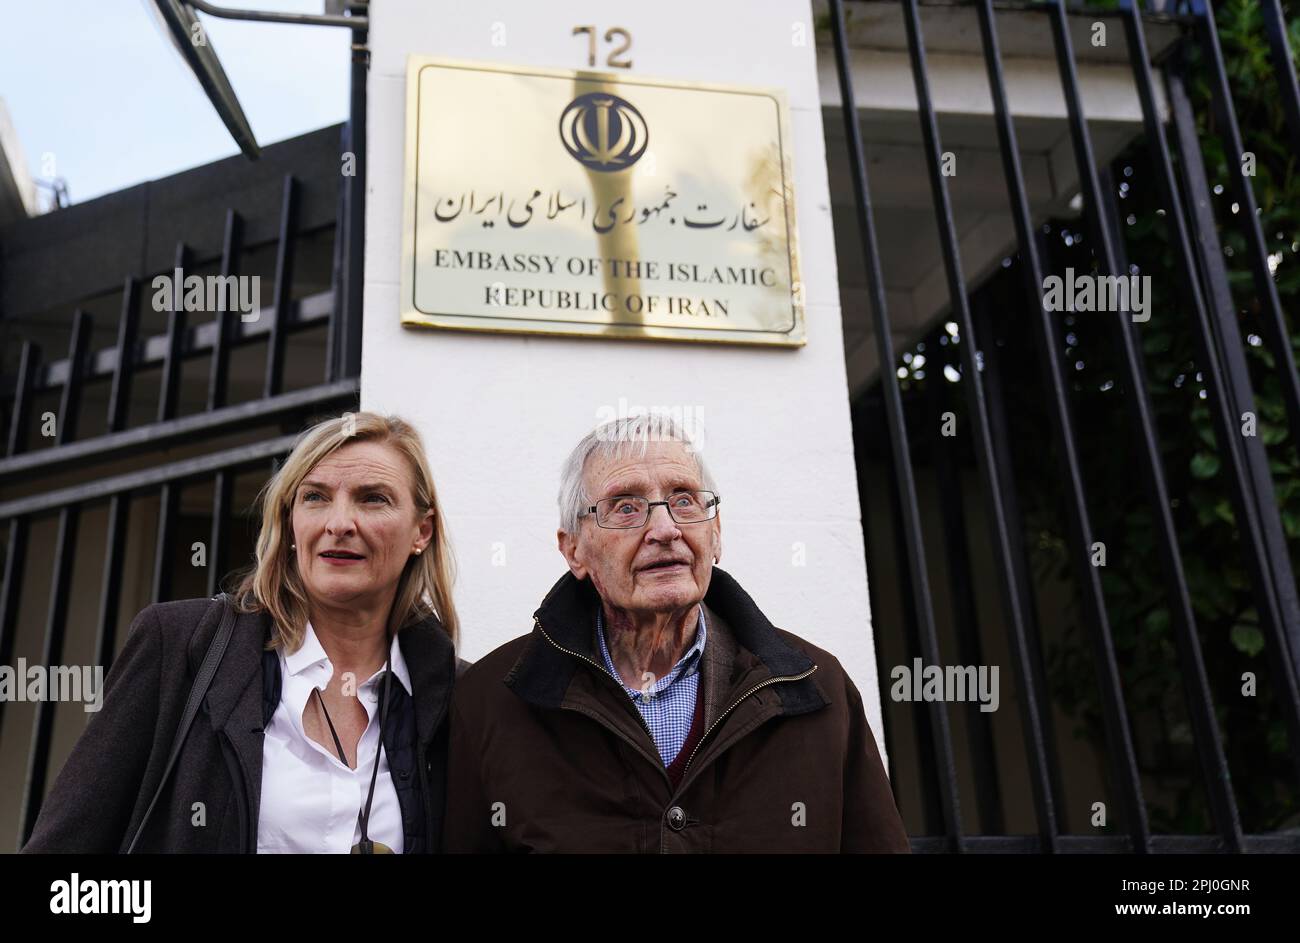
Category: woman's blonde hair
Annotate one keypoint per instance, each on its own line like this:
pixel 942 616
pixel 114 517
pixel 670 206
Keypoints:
pixel 273 583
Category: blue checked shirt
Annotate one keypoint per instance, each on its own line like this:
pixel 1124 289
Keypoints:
pixel 668 706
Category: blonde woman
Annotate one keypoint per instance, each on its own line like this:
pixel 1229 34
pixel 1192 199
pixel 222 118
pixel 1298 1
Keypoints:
pixel 295 747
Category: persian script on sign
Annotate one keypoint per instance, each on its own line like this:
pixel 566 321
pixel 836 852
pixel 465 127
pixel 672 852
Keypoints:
pixel 556 201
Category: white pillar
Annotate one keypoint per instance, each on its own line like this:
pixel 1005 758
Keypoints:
pixel 498 413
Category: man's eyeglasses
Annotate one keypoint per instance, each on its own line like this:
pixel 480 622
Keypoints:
pixel 685 507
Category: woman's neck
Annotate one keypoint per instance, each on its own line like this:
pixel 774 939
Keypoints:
pixel 358 647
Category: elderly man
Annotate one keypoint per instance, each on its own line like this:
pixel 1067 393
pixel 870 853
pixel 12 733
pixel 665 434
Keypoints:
pixel 653 707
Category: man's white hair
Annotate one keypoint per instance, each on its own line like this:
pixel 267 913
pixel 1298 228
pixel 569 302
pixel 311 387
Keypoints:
pixel 618 438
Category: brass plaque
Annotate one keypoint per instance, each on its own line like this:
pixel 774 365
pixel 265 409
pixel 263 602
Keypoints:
pixel 585 203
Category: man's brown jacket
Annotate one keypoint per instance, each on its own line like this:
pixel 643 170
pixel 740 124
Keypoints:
pixel 548 753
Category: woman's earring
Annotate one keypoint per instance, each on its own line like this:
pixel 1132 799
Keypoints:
pixel 293 546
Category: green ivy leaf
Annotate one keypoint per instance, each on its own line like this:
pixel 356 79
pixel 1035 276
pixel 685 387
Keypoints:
pixel 1157 621
pixel 1205 465
pixel 1247 639
pixel 1272 435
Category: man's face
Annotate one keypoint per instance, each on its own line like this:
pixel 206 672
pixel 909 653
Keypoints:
pixel 358 499
pixel 661 566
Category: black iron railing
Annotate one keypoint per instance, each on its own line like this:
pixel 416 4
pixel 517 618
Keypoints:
pixel 1198 262
pixel 222 439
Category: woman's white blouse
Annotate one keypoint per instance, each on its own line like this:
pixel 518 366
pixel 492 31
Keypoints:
pixel 310 799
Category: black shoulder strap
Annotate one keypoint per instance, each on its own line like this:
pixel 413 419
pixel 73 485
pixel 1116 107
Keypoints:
pixel 200 689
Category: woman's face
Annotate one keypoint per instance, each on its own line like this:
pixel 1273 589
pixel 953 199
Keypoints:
pixel 358 502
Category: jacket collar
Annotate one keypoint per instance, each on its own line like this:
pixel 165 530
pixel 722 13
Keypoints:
pixel 312 652
pixel 240 667
pixel 234 700
pixel 745 640
pixel 431 662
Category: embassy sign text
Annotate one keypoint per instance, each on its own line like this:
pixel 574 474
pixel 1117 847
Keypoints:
pixel 553 201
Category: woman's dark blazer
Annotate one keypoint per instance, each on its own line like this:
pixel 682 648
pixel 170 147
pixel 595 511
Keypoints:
pixel 212 799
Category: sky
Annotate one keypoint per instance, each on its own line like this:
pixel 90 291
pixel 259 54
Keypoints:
pixel 100 97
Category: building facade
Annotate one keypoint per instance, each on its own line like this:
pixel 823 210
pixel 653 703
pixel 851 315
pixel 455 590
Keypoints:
pixel 928 147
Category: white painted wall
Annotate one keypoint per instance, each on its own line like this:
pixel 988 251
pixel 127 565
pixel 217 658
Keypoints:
pixel 499 413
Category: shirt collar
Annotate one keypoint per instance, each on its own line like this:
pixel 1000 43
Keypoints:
pixel 687 665
pixel 311 652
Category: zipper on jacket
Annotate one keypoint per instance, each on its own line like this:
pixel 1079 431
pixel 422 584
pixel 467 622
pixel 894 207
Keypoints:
pixel 605 671
pixel 713 726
